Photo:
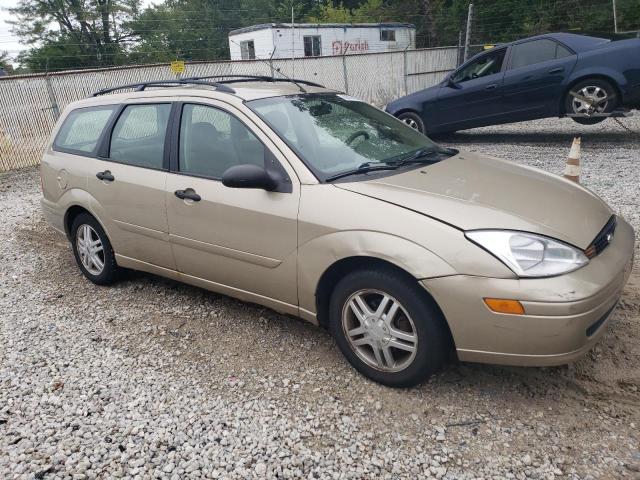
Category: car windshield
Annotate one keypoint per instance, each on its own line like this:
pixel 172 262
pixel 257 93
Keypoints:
pixel 335 134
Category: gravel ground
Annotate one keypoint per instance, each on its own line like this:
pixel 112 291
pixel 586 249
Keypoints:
pixel 153 379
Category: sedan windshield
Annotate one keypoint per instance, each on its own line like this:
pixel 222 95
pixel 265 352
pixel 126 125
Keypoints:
pixel 336 134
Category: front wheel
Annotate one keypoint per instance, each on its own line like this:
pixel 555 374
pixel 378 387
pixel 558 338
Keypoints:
pixel 387 327
pixel 413 120
pixel 593 96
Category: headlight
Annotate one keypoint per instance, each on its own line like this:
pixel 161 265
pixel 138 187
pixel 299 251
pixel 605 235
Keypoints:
pixel 529 255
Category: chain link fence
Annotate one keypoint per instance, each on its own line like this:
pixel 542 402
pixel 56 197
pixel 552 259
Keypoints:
pixel 31 104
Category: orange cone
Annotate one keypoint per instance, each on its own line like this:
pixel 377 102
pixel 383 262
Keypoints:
pixel 572 169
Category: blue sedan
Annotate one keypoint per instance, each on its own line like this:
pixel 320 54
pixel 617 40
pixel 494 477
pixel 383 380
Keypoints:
pixel 549 75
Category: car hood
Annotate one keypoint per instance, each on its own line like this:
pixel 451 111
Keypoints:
pixel 471 191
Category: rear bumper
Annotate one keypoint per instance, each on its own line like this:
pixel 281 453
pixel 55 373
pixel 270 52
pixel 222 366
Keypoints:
pixel 564 316
pixel 52 215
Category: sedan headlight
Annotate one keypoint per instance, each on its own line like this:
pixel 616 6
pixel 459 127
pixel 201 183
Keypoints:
pixel 529 255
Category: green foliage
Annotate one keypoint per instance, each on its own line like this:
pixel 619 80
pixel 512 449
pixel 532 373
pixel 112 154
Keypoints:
pixel 5 62
pixel 87 33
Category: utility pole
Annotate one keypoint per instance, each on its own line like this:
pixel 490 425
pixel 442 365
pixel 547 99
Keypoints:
pixel 615 17
pixel 467 41
pixel 293 32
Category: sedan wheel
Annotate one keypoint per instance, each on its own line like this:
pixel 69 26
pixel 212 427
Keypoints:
pixel 379 330
pixel 598 96
pixel 593 95
pixel 413 120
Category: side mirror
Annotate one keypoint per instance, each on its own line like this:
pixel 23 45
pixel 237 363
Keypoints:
pixel 249 176
pixel 451 83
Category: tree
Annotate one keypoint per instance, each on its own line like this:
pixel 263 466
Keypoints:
pixel 73 33
pixel 5 63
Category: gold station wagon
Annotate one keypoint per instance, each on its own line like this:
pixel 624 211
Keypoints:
pixel 318 205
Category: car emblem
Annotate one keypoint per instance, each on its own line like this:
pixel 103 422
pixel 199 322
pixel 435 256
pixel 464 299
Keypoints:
pixel 609 237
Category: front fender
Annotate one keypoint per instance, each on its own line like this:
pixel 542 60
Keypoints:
pixel 317 255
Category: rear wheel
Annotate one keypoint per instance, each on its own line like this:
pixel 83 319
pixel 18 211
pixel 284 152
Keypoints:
pixel 413 120
pixel 387 327
pixel 594 95
pixel 93 251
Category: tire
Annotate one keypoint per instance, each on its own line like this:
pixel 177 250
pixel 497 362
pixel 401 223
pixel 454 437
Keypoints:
pixel 591 88
pixel 84 225
pixel 416 317
pixel 413 120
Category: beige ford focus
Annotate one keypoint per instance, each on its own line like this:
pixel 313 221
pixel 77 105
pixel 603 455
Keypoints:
pixel 318 205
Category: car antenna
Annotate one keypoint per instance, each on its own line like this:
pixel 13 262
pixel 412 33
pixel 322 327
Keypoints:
pixel 302 89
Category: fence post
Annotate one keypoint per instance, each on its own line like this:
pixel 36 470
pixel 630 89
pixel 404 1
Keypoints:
pixel 406 73
pixel 467 41
pixel 273 73
pixel 344 73
pixel 52 96
pixel 458 62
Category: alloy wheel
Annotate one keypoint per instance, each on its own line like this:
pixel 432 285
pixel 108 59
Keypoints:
pixel 90 249
pixel 593 93
pixel 379 330
pixel 411 122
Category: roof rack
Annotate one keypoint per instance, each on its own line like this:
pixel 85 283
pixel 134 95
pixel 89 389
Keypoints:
pixel 250 78
pixel 139 87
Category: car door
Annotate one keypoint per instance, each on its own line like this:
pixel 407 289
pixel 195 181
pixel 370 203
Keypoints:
pixel 128 181
pixel 472 96
pixel 534 79
pixel 239 241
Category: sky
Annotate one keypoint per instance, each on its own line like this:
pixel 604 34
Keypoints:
pixel 8 42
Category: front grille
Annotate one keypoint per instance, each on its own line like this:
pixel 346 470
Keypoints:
pixel 603 239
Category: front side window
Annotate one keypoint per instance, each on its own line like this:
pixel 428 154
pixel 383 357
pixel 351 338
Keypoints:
pixel 312 46
pixel 488 64
pixel 536 51
pixel 138 135
pixel 82 129
pixel 212 140
pixel 247 50
pixel 387 35
pixel 333 134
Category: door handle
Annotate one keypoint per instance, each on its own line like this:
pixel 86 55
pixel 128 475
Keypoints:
pixel 106 176
pixel 188 194
pixel 556 70
pixel 493 86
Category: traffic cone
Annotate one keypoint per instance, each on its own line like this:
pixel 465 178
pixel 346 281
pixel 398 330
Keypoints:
pixel 572 169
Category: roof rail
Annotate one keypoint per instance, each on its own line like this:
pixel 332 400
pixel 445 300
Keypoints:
pixel 139 87
pixel 250 78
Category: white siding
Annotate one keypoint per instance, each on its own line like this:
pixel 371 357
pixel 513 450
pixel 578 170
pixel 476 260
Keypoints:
pixel 262 41
pixel 334 40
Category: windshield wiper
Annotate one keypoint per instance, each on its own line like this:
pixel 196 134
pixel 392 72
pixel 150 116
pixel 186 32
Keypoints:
pixel 363 168
pixel 425 156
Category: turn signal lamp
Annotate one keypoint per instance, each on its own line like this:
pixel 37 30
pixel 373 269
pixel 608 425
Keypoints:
pixel 502 305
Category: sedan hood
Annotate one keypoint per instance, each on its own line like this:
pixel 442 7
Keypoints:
pixel 470 191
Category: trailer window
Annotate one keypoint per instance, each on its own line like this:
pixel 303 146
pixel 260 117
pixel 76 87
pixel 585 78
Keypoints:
pixel 387 35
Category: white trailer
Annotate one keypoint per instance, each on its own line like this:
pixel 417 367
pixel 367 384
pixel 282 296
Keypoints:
pixel 286 40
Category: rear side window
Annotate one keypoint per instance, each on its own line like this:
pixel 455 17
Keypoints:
pixel 82 129
pixel 537 51
pixel 138 135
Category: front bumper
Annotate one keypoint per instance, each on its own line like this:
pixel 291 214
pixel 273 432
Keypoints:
pixel 564 315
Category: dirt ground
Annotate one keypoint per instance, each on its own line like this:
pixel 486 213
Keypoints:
pixel 469 421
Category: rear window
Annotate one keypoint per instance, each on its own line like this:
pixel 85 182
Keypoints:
pixel 82 129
